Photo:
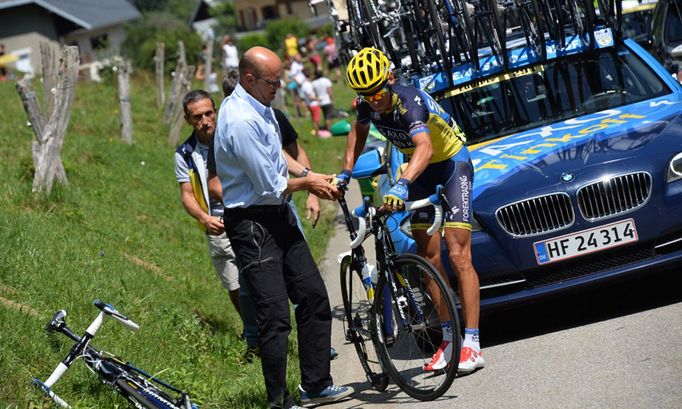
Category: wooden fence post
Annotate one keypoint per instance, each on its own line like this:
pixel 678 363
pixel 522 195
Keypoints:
pixel 208 65
pixel 48 58
pixel 159 60
pixel 176 126
pixel 176 83
pixel 124 69
pixel 46 160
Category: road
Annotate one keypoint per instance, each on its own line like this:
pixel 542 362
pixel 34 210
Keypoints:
pixel 615 347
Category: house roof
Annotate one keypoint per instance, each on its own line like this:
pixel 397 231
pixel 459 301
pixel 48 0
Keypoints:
pixel 88 14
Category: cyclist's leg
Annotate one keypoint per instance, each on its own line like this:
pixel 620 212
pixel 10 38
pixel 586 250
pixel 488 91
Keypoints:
pixel 458 240
pixel 458 191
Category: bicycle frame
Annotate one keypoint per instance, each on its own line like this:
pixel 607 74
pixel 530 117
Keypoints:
pixel 131 382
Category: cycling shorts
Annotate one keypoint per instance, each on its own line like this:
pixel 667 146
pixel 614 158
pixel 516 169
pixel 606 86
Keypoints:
pixel 457 177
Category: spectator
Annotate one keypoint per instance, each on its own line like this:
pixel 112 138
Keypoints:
pixel 323 89
pixel 333 61
pixel 192 174
pixel 290 45
pixel 267 241
pixel 312 102
pixel 231 53
pixel 3 70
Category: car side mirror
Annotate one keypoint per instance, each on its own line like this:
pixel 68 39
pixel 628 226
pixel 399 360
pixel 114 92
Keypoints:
pixel 369 165
pixel 677 52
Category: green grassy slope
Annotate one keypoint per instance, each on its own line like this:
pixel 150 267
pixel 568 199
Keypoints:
pixel 118 232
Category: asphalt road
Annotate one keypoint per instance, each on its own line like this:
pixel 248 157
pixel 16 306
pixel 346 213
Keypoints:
pixel 614 347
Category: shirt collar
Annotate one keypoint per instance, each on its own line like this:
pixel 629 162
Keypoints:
pixel 260 108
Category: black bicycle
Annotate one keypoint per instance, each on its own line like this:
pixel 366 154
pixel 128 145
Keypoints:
pixel 141 389
pixel 394 317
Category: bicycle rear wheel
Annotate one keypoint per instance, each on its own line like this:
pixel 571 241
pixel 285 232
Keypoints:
pixel 408 327
pixel 358 317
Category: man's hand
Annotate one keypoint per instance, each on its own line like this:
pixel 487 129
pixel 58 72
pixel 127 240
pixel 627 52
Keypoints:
pixel 395 198
pixel 320 185
pixel 312 206
pixel 341 180
pixel 214 226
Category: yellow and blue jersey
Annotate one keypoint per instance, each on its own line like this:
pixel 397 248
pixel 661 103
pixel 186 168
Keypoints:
pixel 414 111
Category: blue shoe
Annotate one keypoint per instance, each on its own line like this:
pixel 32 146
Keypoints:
pixel 329 394
pixel 333 354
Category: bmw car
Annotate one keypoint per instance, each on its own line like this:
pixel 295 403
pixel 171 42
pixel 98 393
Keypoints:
pixel 578 169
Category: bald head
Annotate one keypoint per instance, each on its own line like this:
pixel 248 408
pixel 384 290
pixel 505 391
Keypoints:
pixel 257 60
pixel 260 73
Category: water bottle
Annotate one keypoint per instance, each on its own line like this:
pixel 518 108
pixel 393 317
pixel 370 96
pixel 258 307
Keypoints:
pixel 367 274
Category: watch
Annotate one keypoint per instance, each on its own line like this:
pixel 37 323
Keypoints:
pixel 304 172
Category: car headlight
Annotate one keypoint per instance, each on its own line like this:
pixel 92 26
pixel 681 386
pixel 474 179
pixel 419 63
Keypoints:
pixel 675 168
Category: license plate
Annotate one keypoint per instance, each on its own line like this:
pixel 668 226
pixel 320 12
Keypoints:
pixel 585 242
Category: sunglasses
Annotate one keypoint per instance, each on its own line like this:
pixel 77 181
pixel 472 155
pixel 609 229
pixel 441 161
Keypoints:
pixel 273 84
pixel 376 96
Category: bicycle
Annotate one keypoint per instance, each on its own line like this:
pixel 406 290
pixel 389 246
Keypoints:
pixel 395 324
pixel 141 389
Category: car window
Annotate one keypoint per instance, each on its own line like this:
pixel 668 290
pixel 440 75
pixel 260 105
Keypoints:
pixel 556 91
pixel 636 24
pixel 673 24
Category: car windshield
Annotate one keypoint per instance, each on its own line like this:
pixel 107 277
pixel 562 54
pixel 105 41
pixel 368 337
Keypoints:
pixel 552 92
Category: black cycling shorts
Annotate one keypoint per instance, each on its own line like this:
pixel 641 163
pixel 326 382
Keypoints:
pixel 457 177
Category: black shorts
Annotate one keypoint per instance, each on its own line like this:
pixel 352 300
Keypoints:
pixel 457 177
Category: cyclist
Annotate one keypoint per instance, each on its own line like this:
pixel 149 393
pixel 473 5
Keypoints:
pixel 417 125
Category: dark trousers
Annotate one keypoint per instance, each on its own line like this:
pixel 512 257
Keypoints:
pixel 277 266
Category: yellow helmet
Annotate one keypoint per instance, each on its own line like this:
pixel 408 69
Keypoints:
pixel 368 70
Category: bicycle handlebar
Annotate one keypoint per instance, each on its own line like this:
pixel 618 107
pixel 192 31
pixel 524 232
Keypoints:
pixel 59 401
pixel 433 200
pixel 110 310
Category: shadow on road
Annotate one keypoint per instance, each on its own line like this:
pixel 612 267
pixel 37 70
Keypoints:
pixel 580 308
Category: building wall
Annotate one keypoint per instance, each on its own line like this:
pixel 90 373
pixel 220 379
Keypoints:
pixel 250 12
pixel 84 40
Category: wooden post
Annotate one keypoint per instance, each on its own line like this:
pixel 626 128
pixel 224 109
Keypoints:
pixel 159 60
pixel 48 58
pixel 176 83
pixel 47 160
pixel 124 69
pixel 176 127
pixel 208 65
pixel 36 121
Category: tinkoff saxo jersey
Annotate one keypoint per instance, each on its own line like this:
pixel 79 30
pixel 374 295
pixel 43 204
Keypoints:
pixel 414 111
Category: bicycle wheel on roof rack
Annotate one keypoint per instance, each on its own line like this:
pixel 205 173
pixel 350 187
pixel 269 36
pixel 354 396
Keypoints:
pixel 576 20
pixel 612 13
pixel 377 26
pixel 430 36
pixel 590 20
pixel 532 26
pixel 548 13
pixel 488 31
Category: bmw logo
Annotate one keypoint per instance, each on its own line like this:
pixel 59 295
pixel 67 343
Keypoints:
pixel 567 177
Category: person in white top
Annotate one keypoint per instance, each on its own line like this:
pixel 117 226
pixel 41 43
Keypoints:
pixel 323 89
pixel 231 53
pixel 307 93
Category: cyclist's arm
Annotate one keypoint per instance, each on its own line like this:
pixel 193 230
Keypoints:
pixel 354 144
pixel 421 156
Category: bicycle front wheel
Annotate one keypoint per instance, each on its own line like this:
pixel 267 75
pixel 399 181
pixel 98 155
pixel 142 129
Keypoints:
pixel 407 327
pixel 358 316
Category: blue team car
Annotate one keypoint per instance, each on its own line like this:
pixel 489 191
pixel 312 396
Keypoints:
pixel 578 166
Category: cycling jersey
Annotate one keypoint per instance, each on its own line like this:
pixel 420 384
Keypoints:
pixel 414 111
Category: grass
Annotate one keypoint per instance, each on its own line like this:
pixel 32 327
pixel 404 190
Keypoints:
pixel 118 232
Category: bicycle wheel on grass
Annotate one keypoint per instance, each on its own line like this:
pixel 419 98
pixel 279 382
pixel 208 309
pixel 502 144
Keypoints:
pixel 358 318
pixel 408 327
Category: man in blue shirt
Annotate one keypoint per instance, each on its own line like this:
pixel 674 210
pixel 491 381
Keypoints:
pixel 275 260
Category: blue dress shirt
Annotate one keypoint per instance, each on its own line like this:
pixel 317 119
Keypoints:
pixel 248 152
